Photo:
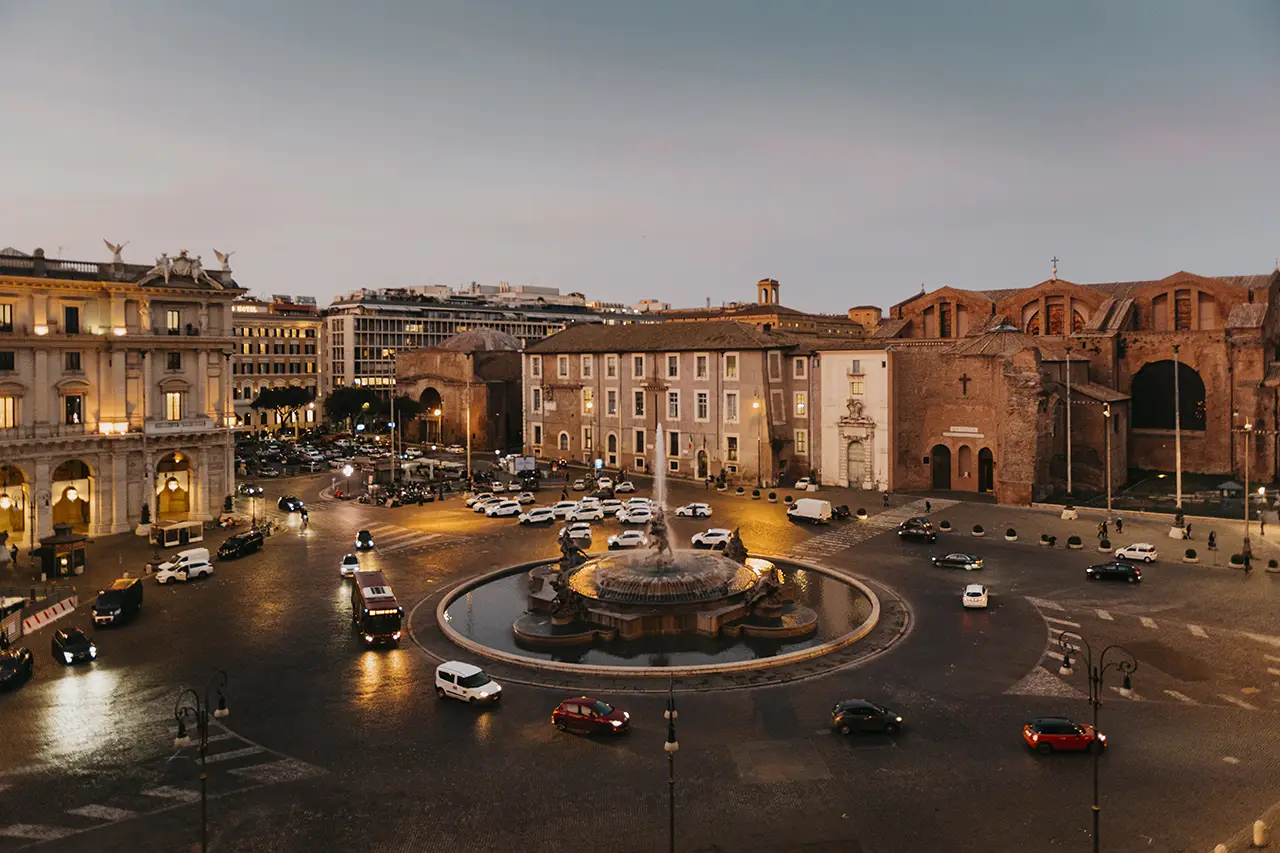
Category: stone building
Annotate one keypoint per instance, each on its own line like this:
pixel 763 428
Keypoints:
pixel 115 392
pixel 857 431
pixel 474 376
pixel 279 344
pixel 729 396
pixel 769 314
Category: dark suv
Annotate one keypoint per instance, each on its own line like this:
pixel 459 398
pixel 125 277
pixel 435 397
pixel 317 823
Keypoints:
pixel 918 528
pixel 1116 571
pixel 241 544
pixel 290 503
pixel 16 666
pixel 859 715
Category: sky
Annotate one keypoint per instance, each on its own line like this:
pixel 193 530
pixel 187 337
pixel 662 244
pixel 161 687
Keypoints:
pixel 677 151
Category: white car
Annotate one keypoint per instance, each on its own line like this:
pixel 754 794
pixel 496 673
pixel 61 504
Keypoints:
pixel 185 565
pixel 589 512
pixel 975 595
pixel 349 566
pixel 590 500
pixel 413 453
pixel 466 682
pixel 563 508
pixel 803 484
pixel 483 506
pixel 611 507
pixel 715 538
pixel 497 487
pixel 456 448
pixel 476 498
pixel 579 532
pixel 526 498
pixel 694 511
pixel 579 485
pixel 1137 552
pixel 635 515
pixel 632 503
pixel 624 486
pixel 604 483
pixel 502 509
pixel 628 539
pixel 538 515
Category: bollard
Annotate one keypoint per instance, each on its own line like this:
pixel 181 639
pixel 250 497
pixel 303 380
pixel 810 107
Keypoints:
pixel 1261 834
pixel 1220 848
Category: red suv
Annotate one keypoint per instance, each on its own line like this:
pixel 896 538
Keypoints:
pixel 1049 734
pixel 590 716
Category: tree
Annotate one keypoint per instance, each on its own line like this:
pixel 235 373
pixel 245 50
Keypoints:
pixel 349 402
pixel 407 408
pixel 283 401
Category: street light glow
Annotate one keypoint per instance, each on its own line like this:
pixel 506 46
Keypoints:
pixel 347 470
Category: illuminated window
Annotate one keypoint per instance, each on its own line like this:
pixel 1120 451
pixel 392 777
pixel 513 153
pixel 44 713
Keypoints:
pixel 731 365
pixel 802 441
pixel 173 406
pixel 8 412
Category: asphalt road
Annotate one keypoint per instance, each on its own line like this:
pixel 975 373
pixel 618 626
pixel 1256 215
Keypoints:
pixel 329 746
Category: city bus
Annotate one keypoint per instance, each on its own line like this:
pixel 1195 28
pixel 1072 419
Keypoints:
pixel 374 609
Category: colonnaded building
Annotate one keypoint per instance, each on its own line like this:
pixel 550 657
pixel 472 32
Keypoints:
pixel 115 392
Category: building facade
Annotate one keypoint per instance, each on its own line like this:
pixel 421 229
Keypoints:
pixel 364 330
pixel 279 344
pixel 115 392
pixel 729 397
pixel 769 314
pixel 856 437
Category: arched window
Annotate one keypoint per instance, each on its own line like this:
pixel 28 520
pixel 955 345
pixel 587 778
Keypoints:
pixel 1077 321
pixel 1033 324
pixel 1153 398
pixel 564 441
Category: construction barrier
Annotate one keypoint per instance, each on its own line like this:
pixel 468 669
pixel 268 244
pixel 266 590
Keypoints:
pixel 41 618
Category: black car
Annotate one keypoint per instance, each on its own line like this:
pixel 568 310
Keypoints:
pixel 859 715
pixel 16 666
pixel 841 511
pixel 918 528
pixel 72 646
pixel 1116 571
pixel 968 562
pixel 252 490
pixel 241 544
pixel 290 503
pixel 364 540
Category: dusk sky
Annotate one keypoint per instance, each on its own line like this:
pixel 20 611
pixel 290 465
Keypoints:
pixel 671 150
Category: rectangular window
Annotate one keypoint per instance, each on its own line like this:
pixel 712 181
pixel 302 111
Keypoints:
pixel 673 366
pixel 537 401
pixel 775 365
pixel 537 435
pixel 777 407
pixel 173 361
pixel 639 404
pixel 173 406
pixel 801 403
pixel 71 320
pixel 857 386
pixel 588 400
pixel 73 409
pixel 172 320
pixel 6 317
pixel 8 412
pixel 587 361
pixel 855 367
pixel 673 443
pixel 535 365
pixel 639 441
pixel 611 367
pixel 71 361
pixel 7 360
pixel 799 368
pixel 673 464
pixel 702 406
pixel 611 402
pixel 731 366
pixel 700 368
pixel 588 440
pixel 802 442
pixel 731 448
pixel 637 366
pixel 562 366
pixel 673 405
pixel 731 407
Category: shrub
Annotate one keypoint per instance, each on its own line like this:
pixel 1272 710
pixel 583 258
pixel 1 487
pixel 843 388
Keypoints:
pixel 1190 554
pixel 773 496
pixel 1044 537
pixel 1069 506
pixel 755 494
pixel 945 525
pixel 1104 544
pixel 1272 564
pixel 740 491
pixel 786 499
pixel 1053 540
pixel 1011 532
pixel 1237 559
pixel 977 528
pixel 1073 540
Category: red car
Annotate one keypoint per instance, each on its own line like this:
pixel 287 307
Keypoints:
pixel 1047 735
pixel 590 716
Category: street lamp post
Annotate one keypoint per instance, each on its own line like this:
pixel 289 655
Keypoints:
pixel 347 471
pixel 755 404
pixel 670 747
pixel 437 413
pixel 1126 663
pixel 1068 421
pixel 191 706
pixel 1177 430
pixel 1106 428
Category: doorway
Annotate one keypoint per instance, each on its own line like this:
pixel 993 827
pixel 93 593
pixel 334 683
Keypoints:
pixel 940 458
pixel 704 469
pixel 986 470
pixel 856 457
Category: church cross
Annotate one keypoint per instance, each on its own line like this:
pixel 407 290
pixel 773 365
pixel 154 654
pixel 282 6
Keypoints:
pixel 965 379
pixel 1055 266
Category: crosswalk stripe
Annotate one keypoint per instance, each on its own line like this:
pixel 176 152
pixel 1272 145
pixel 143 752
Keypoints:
pixel 1045 604
pixel 1240 702
pixel 1054 655
pixel 1197 631
pixel 1062 621
pixel 1273 671
pixel 233 754
pixel 1181 697
pixel 1102 614
pixel 1272 657
pixel 1147 621
pixel 168 793
pixel 97 812
pixel 35 831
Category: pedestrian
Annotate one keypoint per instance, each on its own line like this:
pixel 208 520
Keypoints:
pixel 884 498
pixel 1188 529
pixel 13 552
pixel 707 483
pixel 928 507
pixel 1213 541
pixel 1119 525
pixel 564 494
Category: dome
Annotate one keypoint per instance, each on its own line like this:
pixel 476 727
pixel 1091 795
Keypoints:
pixel 482 340
pixel 640 577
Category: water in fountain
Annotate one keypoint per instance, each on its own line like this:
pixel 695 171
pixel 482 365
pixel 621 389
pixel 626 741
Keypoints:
pixel 658 535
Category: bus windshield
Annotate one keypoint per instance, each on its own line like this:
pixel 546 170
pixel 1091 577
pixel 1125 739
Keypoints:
pixel 382 623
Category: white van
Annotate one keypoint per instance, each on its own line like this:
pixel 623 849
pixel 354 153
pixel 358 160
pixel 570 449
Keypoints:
pixel 811 510
pixel 185 565
pixel 466 682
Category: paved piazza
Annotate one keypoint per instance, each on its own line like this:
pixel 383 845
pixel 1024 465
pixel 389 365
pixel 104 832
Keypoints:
pixel 331 747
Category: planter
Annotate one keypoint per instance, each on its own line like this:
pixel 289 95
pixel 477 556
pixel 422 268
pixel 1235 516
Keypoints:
pixel 945 526
pixel 773 498
pixel 1190 556
pixel 1074 543
pixel 142 530
pixel 1104 545
pixel 1011 535
pixel 1272 564
pixel 1176 532
pixel 1069 513
pixel 739 491
pixel 786 499
pixel 1237 561
pixel 978 531
pixel 862 514
pixel 720 487
pixel 755 494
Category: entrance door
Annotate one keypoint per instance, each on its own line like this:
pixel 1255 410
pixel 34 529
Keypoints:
pixel 856 455
pixel 986 470
pixel 703 467
pixel 941 460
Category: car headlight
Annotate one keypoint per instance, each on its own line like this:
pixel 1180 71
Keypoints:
pixel 396 635
pixel 897 719
pixel 484 694
pixel 67 656
pixel 93 651
pixel 1102 738
pixel 368 638
pixel 615 723
pixel 626 715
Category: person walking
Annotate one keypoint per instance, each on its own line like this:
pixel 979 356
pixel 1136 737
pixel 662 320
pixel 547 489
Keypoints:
pixel 1188 529
pixel 928 507
pixel 1262 525
pixel 1213 541
pixel 13 552
pixel 1119 525
pixel 885 498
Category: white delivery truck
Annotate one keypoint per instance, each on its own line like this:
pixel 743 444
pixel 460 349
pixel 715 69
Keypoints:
pixel 185 565
pixel 811 510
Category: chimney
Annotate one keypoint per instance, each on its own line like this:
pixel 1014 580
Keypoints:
pixel 38 265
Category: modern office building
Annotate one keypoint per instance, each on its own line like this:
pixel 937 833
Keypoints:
pixel 279 344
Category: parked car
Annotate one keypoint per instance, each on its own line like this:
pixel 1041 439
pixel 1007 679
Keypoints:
pixel 1138 551
pixel 537 515
pixel 968 562
pixel 1117 571
pixel 349 565
pixel 364 541
pixel 859 715
pixel 975 595
pixel 589 715
pixel 70 645
pixel 483 506
pixel 562 509
pixel 604 483
pixel 241 544
pixel 803 483
pixel 694 511
pixel 579 532
pixel 526 498
pixel 611 507
pixel 636 515
pixel 119 602
pixel 502 509
pixel 249 490
pixel 471 500
pixel 918 528
pixel 184 566
pixel 589 512
pixel 1058 734
pixel 456 448
pixel 715 538
pixel 496 487
pixel 579 485
pixel 290 503
pixel 628 539
pixel 841 511
pixel 466 682
pixel 17 665
pixel 624 487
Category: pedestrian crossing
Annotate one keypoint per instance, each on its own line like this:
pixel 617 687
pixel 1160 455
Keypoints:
pixel 393 539
pixel 237 763
pixel 846 535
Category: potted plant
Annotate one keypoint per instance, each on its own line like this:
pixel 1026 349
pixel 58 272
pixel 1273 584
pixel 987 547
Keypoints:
pixel 755 494
pixel 1011 535
pixel 720 487
pixel 1069 513
pixel 945 526
pixel 773 497
pixel 1237 561
pixel 1074 543
pixel 1104 544
pixel 862 514
pixel 786 499
pixel 739 491
pixel 1190 556
pixel 978 531
pixel 1273 567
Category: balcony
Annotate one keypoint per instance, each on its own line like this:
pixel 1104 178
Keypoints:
pixel 201 424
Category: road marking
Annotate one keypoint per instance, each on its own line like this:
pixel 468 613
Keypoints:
pixel 1147 621
pixel 1240 702
pixel 1055 655
pixel 1197 631
pixel 1102 614
pixel 1230 759
pixel 275 772
pixel 1062 621
pixel 1272 657
pixel 1045 604
pixel 169 793
pixel 103 812
pixel 1249 690
pixel 35 831
pixel 1181 697
pixel 1271 670
pixel 233 754
pixel 223 736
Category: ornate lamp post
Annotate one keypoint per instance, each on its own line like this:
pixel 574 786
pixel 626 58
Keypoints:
pixel 191 707
pixel 439 437
pixel 755 404
pixel 347 470
pixel 1125 662
pixel 670 747
pixel 1106 427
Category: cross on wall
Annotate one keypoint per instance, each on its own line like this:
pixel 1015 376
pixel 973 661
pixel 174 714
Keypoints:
pixel 965 379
